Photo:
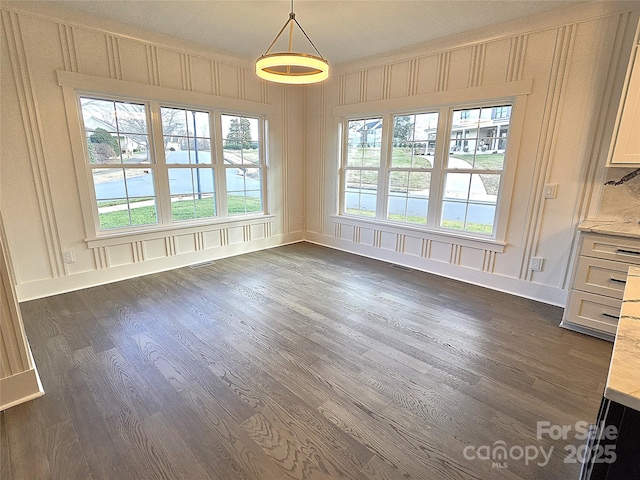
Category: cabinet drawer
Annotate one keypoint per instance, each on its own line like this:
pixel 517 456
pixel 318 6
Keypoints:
pixel 620 249
pixel 603 277
pixel 594 311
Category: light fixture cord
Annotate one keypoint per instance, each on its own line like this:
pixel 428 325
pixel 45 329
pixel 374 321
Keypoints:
pixel 292 17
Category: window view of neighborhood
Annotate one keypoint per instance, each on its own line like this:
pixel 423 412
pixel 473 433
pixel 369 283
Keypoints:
pixel 124 169
pixel 118 148
pixel 470 175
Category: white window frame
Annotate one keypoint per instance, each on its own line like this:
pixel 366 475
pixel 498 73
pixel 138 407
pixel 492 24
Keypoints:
pixel 514 94
pixel 76 85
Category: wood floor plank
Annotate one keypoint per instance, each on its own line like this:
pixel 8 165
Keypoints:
pixel 65 455
pixel 298 362
pixel 5 454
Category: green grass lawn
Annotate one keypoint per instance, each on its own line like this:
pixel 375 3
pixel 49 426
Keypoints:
pixel 181 210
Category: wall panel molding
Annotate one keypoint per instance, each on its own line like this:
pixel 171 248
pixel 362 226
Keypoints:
pixel 442 77
pixel 285 158
pixel 152 65
pixel 48 287
pixel 565 38
pixel 412 79
pixel 363 86
pixel 33 130
pixel 516 58
pixel 113 55
pixel 215 78
pixel 68 48
pixel 477 65
pixel 185 64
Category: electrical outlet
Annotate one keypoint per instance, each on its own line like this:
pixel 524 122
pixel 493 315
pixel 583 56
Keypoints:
pixel 67 257
pixel 536 264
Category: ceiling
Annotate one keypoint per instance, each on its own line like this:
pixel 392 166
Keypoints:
pixel 341 30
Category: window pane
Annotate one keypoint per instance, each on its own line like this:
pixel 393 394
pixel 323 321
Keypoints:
pixel 143 212
pixel 458 157
pixel 480 218
pixel 192 193
pixel 108 183
pixel 456 186
pixel 489 161
pixel 114 213
pixel 122 212
pixel 244 190
pixel 408 196
pixel 180 181
pixel 426 127
pixel 131 118
pixel 98 114
pixel 205 205
pixel 361 192
pixel 364 141
pixel 414 139
pixel 203 180
pixel 174 121
pixel 485 188
pixel 116 132
pixel 241 140
pixel 182 207
pixel 125 197
pixel 453 215
pixel 186 136
pixel 466 118
pixel 198 124
pixel 139 182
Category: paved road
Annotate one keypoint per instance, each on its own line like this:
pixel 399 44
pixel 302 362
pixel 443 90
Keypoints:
pixel 142 185
pixel 483 214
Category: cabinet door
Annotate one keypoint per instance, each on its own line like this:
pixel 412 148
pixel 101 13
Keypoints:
pixel 626 149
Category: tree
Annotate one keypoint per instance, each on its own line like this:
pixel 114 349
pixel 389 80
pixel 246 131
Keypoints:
pixel 100 135
pixel 103 152
pixel 402 131
pixel 239 136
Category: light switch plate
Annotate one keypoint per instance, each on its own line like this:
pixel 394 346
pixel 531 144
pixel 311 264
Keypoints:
pixel 550 190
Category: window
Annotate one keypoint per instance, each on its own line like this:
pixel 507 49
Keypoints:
pixel 442 169
pixel 241 146
pixel 363 165
pixel 412 153
pixel 170 171
pixel 187 148
pixel 117 137
pixel 473 173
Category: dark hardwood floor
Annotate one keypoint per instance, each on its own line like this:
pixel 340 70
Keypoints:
pixel 298 362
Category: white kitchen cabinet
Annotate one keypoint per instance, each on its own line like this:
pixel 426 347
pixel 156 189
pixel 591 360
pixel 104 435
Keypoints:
pixel 625 147
pixel 598 283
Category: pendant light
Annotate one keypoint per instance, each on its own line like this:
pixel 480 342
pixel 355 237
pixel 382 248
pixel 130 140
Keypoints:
pixel 292 67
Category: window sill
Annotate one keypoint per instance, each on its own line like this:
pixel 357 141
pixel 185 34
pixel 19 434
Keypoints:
pixel 155 232
pixel 484 243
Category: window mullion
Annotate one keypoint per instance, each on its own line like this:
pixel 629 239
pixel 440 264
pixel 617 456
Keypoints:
pixel 439 159
pixel 385 163
pixel 220 179
pixel 163 199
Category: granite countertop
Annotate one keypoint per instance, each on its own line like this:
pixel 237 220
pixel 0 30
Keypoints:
pixel 623 383
pixel 620 229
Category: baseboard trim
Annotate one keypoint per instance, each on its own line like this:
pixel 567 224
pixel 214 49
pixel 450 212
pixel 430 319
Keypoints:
pixel 513 286
pixel 94 278
pixel 20 388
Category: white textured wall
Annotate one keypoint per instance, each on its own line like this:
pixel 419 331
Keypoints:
pixel 39 196
pixel 576 60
